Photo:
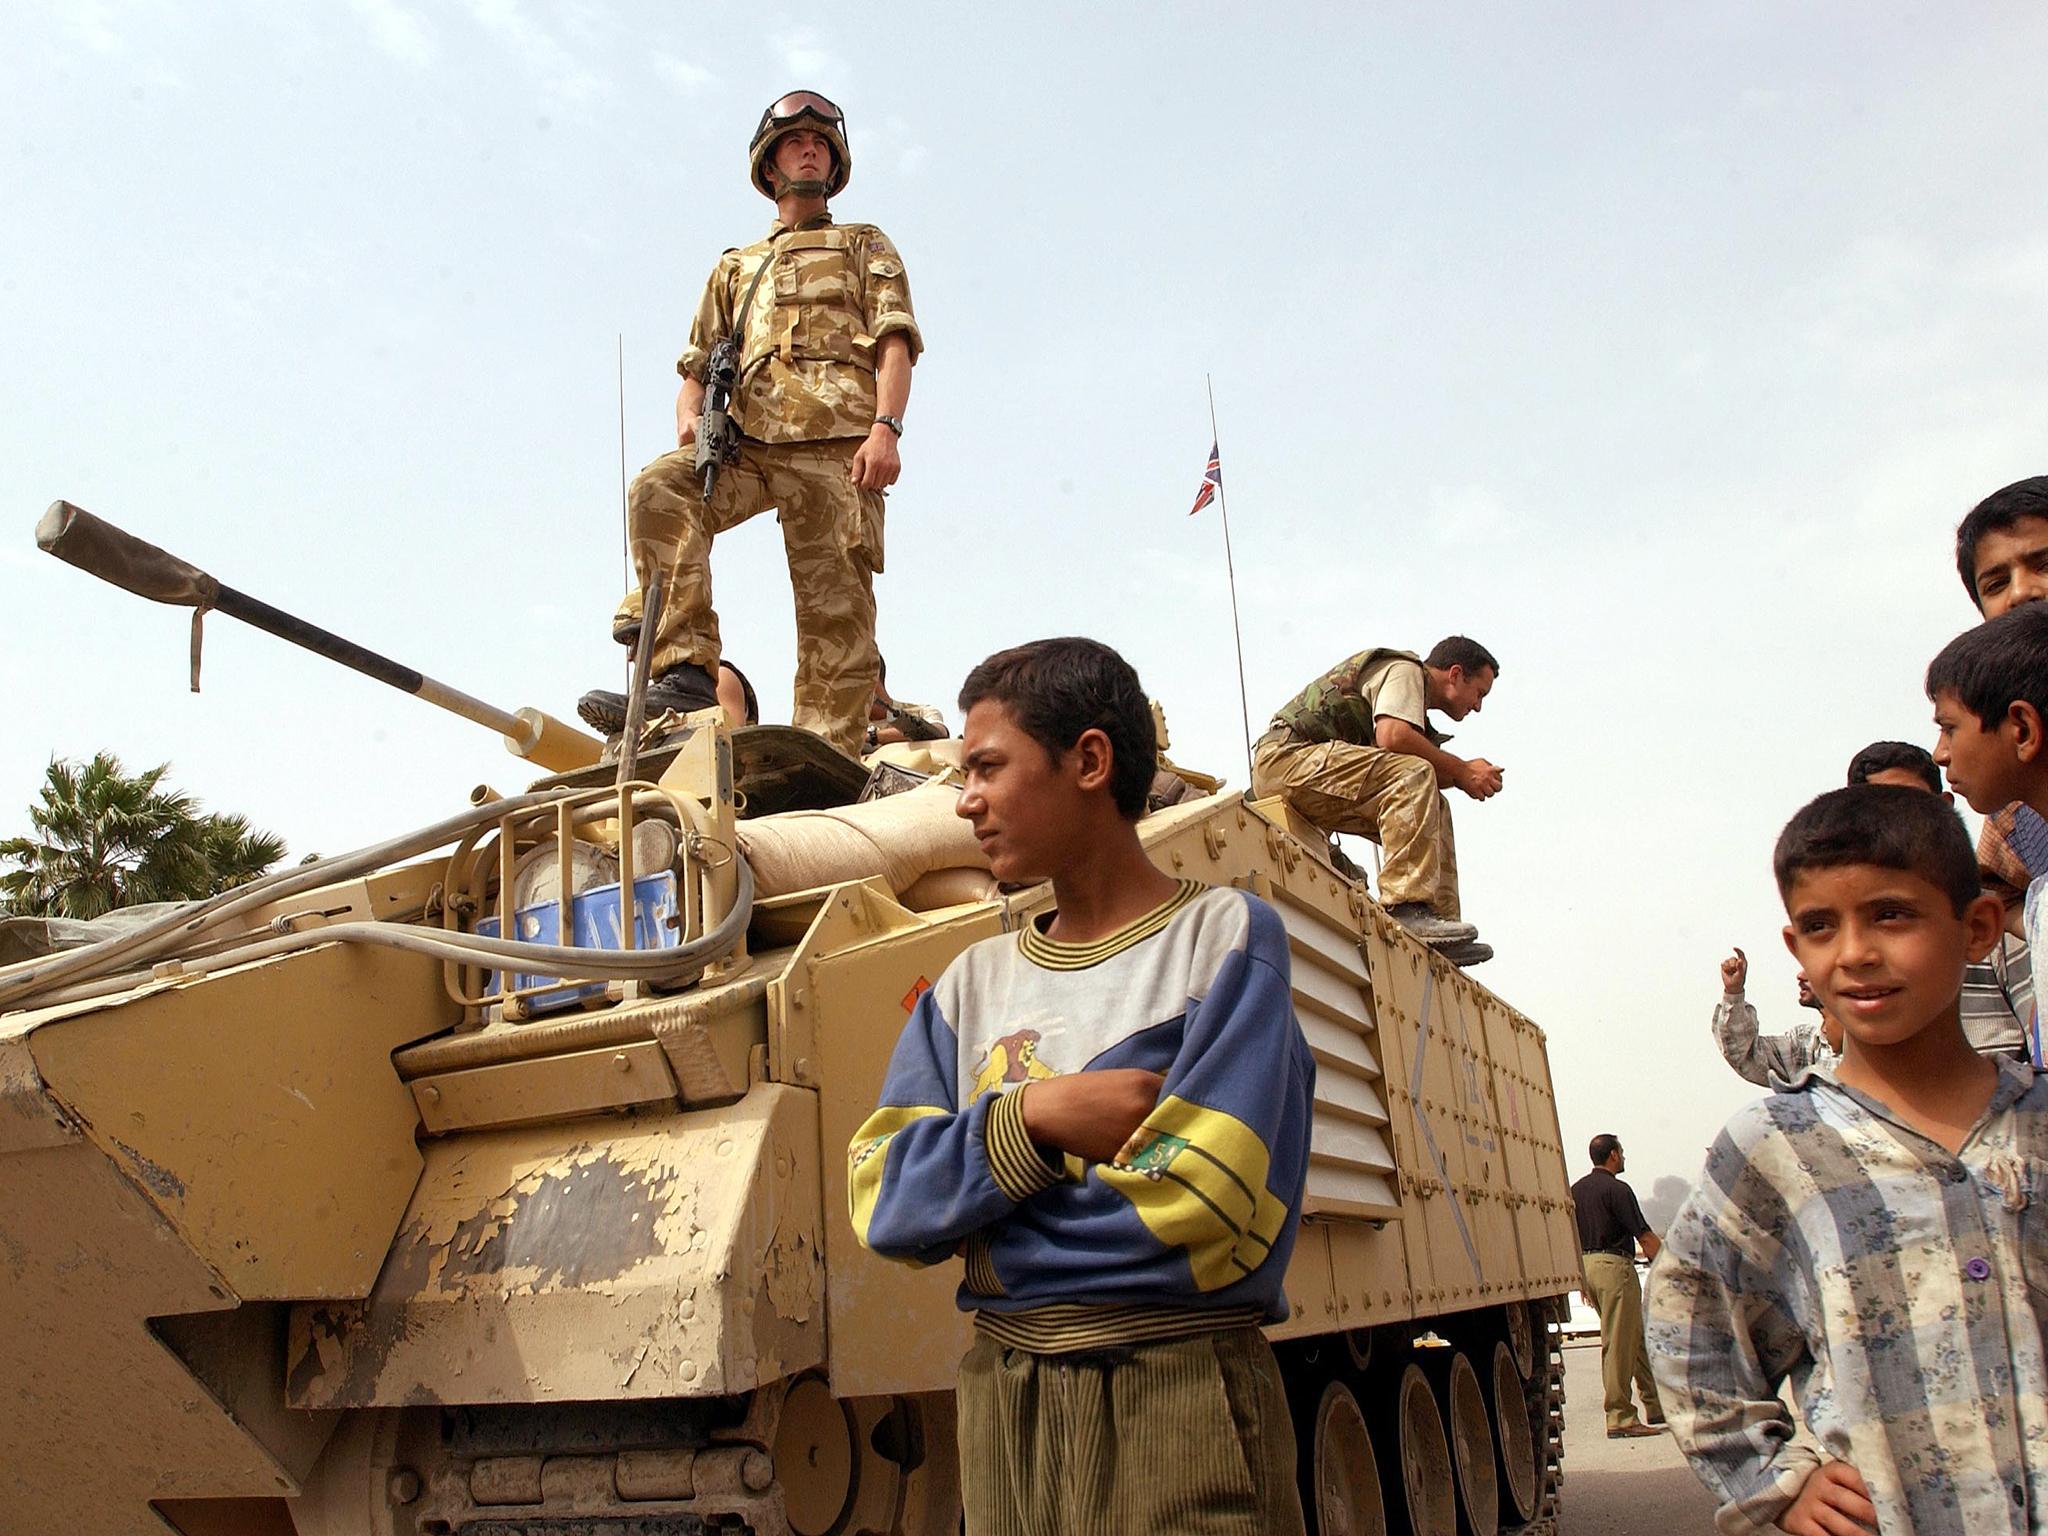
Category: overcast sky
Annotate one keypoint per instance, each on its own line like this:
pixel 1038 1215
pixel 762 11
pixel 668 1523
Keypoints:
pixel 1658 347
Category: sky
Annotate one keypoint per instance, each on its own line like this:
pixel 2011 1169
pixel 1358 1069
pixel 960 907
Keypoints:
pixel 1658 347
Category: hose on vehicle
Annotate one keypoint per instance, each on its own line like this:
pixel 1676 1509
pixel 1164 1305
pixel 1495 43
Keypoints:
pixel 113 965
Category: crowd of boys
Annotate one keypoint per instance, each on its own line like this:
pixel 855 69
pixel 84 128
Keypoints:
pixel 1998 991
pixel 1873 1234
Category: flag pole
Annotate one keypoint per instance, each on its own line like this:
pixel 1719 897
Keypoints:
pixel 1244 708
pixel 625 514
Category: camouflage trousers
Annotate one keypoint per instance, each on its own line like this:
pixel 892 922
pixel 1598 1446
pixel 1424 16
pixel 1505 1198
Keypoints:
pixel 832 534
pixel 1389 797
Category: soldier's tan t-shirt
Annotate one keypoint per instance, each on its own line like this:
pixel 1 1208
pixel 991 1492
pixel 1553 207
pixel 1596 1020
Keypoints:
pixel 1342 704
pixel 829 294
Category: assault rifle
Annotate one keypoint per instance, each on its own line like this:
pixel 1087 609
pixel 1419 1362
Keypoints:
pixel 910 725
pixel 718 440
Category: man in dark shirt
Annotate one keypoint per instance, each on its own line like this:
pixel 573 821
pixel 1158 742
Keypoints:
pixel 1610 1226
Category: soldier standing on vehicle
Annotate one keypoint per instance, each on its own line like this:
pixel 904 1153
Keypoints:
pixel 1354 752
pixel 820 313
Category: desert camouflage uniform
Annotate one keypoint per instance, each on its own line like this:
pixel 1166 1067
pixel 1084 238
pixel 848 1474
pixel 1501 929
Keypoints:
pixel 1319 757
pixel 804 402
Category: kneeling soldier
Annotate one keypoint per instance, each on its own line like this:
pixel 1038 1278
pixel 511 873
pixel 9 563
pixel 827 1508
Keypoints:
pixel 1354 752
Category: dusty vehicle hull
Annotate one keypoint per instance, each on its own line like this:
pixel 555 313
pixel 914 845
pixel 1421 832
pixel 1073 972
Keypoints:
pixel 292 1256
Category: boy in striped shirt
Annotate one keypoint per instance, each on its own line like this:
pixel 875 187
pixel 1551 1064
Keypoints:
pixel 1879 1239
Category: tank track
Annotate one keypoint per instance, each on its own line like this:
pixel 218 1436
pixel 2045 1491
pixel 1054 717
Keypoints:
pixel 1546 1415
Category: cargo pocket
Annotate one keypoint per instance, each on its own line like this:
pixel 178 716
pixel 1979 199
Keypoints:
pixel 857 516
pixel 819 275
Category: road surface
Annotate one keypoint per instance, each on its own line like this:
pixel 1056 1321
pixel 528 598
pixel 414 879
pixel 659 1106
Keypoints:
pixel 1621 1487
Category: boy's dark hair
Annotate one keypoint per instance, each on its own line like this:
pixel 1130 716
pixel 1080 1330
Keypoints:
pixel 2000 661
pixel 1602 1147
pixel 1882 755
pixel 1056 689
pixel 1887 825
pixel 1460 651
pixel 2000 510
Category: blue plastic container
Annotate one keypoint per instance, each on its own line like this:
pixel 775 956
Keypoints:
pixel 598 926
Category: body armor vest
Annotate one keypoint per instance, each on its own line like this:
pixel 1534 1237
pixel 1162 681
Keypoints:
pixel 813 304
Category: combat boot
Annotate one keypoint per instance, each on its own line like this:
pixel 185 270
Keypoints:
pixel 1470 952
pixel 683 687
pixel 1416 917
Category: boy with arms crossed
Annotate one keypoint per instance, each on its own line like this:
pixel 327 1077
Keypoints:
pixel 1875 1237
pixel 1107 1114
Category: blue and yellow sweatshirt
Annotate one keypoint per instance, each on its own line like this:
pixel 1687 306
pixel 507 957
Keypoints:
pixel 1190 1229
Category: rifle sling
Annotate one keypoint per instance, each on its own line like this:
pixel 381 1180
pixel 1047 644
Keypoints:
pixel 739 316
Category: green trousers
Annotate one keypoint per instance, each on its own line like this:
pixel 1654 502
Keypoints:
pixel 1187 1437
pixel 1624 1358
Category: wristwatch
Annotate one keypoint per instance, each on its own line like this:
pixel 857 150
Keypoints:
pixel 893 423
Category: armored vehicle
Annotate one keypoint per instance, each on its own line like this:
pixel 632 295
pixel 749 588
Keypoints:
pixel 492 1180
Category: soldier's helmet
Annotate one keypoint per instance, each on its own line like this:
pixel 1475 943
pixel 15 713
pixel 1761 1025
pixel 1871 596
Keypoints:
pixel 801 109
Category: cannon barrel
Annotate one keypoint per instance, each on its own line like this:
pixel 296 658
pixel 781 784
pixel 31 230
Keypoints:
pixel 114 555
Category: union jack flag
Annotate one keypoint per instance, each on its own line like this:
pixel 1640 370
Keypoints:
pixel 1212 482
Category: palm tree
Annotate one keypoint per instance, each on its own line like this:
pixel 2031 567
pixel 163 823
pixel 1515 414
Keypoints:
pixel 235 853
pixel 103 839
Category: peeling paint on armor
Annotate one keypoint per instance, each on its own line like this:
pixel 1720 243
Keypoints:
pixel 160 1181
pixel 676 1255
pixel 588 1223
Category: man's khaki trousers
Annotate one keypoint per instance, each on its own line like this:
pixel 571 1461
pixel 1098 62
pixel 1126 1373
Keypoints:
pixel 832 534
pixel 1389 797
pixel 1624 1358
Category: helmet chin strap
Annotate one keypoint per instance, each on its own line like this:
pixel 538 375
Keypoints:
pixel 785 187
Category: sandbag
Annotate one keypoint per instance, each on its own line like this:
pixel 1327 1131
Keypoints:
pixel 928 759
pixel 949 888
pixel 901 838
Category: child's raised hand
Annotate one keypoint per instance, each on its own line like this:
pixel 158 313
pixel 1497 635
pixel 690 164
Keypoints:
pixel 1734 972
pixel 1832 1502
pixel 1091 1114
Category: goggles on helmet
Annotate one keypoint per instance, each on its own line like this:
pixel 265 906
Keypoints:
pixel 792 109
